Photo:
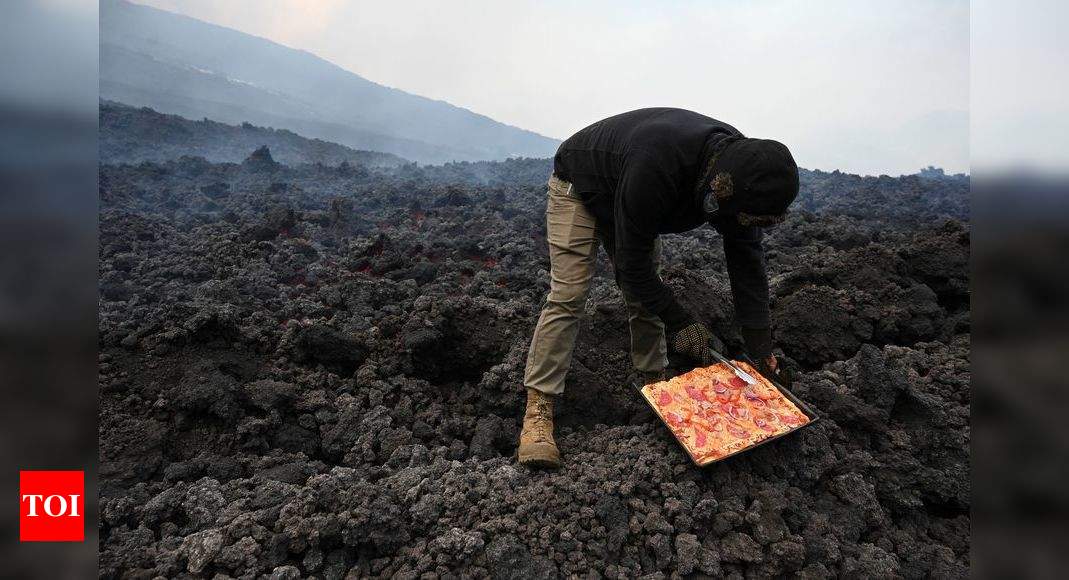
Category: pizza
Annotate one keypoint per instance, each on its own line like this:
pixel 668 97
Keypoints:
pixel 714 413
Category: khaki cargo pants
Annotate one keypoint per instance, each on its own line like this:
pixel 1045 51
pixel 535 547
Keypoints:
pixel 573 243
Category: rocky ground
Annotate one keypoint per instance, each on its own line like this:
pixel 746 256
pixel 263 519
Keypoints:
pixel 316 371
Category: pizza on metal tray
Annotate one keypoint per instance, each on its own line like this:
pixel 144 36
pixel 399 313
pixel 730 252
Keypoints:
pixel 714 413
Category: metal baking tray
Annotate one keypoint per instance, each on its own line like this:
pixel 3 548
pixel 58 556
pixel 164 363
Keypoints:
pixel 802 406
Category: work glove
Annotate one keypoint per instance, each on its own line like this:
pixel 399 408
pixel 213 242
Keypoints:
pixel 693 341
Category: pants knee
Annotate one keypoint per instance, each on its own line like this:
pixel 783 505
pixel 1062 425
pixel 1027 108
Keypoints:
pixel 570 300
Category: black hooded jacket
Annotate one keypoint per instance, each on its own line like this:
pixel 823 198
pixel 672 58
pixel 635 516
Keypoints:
pixel 638 173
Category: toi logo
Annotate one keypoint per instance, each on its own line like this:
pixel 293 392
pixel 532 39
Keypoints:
pixel 52 506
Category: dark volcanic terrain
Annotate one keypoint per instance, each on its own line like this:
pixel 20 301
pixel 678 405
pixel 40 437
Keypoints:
pixel 316 371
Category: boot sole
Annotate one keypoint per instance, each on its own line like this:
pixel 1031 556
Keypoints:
pixel 540 462
pixel 543 460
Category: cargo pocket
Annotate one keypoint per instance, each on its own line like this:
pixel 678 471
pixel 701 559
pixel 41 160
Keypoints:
pixel 560 188
pixel 569 226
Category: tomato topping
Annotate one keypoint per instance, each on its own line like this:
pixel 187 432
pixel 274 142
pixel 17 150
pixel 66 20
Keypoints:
pixel 695 393
pixel 737 383
pixel 665 399
pixel 790 419
pixel 675 419
pixel 699 438
pixel 737 431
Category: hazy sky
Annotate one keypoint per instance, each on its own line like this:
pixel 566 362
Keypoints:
pixel 860 86
pixel 1020 89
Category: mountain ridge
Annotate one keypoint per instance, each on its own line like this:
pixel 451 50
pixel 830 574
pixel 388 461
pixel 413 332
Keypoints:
pixel 234 77
pixel 133 135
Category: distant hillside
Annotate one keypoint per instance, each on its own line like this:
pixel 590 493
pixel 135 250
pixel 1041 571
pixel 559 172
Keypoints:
pixel 176 64
pixel 131 135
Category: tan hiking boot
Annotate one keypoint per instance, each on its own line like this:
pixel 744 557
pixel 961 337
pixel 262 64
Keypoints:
pixel 537 448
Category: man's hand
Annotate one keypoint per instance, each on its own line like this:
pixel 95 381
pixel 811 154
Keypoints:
pixel 770 368
pixel 693 341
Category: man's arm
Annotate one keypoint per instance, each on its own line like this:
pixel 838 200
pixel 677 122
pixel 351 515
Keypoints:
pixel 641 198
pixel 749 284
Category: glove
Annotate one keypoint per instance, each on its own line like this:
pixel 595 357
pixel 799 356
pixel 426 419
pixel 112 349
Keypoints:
pixel 693 341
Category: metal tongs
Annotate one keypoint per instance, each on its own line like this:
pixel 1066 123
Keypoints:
pixel 738 372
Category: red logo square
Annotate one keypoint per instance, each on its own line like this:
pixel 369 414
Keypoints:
pixel 52 506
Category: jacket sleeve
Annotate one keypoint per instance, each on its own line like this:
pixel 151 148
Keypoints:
pixel 644 189
pixel 749 284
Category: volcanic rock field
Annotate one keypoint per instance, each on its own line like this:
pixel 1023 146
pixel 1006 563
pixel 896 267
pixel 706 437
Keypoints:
pixel 316 371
